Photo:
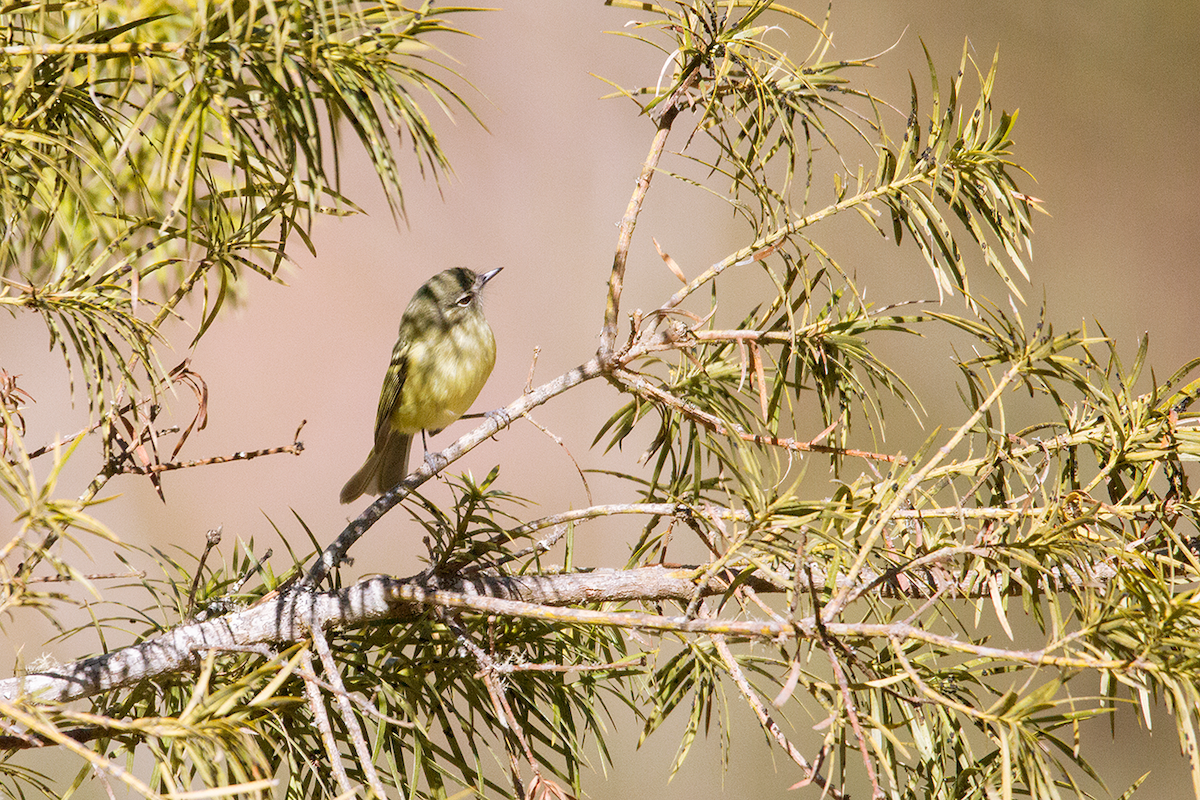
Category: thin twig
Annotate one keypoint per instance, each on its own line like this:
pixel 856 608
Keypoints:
pixel 57 578
pixel 765 719
pixel 362 704
pixel 612 310
pixel 768 243
pixel 558 440
pixel 630 663
pixel 295 448
pixel 639 385
pixel 211 540
pixel 353 727
pixel 563 520
pixel 532 368
pixel 490 671
pixel 220 605
pixel 852 715
pixel 321 719
pixel 931 693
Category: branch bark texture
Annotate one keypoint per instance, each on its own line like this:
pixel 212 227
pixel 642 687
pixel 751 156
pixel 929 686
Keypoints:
pixel 290 616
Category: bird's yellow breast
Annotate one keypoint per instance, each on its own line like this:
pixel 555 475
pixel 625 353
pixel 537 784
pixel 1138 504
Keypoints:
pixel 445 374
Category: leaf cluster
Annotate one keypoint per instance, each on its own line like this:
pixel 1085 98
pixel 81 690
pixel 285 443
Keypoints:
pixel 151 153
pixel 1012 518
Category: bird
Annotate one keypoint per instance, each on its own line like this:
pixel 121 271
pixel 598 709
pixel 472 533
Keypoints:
pixel 443 356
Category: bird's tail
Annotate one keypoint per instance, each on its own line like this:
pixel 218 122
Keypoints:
pixel 384 468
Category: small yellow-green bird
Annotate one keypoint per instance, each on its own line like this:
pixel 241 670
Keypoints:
pixel 442 358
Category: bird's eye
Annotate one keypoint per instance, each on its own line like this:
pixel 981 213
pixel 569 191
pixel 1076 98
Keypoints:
pixel 465 300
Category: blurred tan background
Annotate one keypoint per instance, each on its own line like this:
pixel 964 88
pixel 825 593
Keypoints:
pixel 1109 103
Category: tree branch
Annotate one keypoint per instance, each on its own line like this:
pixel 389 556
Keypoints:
pixel 664 117
pixel 335 554
pixel 291 615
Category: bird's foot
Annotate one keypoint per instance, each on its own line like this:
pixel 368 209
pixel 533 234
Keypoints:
pixel 435 461
pixel 499 416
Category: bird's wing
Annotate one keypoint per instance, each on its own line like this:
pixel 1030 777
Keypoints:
pixel 393 390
